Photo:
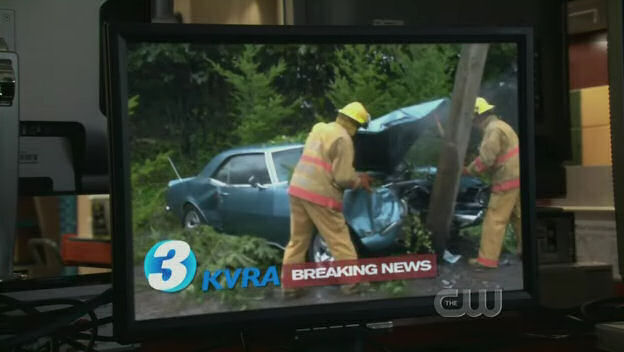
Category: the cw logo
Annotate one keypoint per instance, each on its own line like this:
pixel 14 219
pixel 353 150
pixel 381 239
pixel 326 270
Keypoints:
pixel 448 305
pixel 170 266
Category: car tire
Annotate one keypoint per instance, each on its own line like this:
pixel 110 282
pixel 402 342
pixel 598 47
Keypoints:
pixel 319 251
pixel 192 218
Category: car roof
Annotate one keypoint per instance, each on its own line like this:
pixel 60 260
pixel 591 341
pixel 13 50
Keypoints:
pixel 261 148
pixel 258 148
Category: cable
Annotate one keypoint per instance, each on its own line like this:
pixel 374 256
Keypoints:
pixel 77 345
pixel 61 325
pixel 99 322
pixel 603 310
pixel 94 331
pixel 242 339
pixel 12 304
pixel 18 323
pixel 83 336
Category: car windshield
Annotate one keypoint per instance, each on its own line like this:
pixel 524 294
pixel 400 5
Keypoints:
pixel 285 162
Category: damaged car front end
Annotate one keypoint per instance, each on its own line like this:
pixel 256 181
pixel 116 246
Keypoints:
pixel 245 190
pixel 386 146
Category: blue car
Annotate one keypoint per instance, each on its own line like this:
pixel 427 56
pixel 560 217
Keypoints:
pixel 245 191
pixel 240 191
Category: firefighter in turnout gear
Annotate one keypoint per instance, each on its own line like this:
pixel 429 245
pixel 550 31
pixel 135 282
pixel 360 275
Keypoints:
pixel 499 157
pixel 323 172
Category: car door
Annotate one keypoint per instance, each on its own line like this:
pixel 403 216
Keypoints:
pixel 284 162
pixel 245 208
pixel 205 190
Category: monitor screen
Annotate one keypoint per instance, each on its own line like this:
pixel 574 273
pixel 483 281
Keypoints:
pixel 290 173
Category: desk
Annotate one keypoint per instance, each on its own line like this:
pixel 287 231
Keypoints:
pixel 509 332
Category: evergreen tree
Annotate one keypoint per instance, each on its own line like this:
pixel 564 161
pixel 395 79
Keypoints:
pixel 387 77
pixel 360 75
pixel 258 109
pixel 421 72
pixel 179 103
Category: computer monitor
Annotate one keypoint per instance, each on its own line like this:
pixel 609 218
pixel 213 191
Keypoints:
pixel 209 125
pixel 9 131
pixel 616 91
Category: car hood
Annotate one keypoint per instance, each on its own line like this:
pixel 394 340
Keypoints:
pixel 383 145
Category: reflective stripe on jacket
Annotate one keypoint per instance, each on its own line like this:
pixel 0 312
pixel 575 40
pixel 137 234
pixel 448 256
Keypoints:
pixel 499 155
pixel 325 169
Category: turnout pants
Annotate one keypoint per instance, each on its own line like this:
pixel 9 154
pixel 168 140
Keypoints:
pixel 503 208
pixel 304 218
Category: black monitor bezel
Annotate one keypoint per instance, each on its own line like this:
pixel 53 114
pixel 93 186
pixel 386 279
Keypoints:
pixel 118 35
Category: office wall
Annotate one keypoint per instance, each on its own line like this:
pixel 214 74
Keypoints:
pixel 230 12
pixel 591 132
pixel 589 100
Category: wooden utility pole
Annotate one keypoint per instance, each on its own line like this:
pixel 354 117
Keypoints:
pixel 456 138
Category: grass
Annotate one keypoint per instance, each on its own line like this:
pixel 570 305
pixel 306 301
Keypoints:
pixel 509 242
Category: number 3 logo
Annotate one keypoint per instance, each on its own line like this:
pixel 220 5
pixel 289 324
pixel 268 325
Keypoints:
pixel 170 266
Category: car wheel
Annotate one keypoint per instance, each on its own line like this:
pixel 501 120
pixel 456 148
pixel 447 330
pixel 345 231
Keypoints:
pixel 191 218
pixel 319 251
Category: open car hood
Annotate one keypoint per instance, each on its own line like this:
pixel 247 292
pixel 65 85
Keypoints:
pixel 383 145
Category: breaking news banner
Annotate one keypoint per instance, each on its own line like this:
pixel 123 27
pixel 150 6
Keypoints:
pixel 413 266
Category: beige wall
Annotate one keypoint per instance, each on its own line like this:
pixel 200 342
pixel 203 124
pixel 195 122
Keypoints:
pixel 230 11
pixel 595 124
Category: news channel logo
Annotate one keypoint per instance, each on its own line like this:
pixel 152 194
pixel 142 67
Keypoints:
pixel 170 266
pixel 449 304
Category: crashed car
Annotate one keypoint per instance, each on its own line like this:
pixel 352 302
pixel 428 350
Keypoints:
pixel 383 146
pixel 245 190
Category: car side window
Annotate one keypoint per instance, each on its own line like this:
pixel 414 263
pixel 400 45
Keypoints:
pixel 223 174
pixel 238 169
pixel 285 162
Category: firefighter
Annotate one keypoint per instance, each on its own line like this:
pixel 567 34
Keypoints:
pixel 499 157
pixel 323 172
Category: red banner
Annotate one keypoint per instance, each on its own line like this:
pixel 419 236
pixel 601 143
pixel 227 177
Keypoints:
pixel 411 266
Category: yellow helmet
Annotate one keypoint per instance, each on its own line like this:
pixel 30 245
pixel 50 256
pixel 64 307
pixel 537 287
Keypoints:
pixel 357 112
pixel 482 106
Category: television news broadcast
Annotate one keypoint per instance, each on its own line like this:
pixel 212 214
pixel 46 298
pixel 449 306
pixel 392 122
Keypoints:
pixel 274 175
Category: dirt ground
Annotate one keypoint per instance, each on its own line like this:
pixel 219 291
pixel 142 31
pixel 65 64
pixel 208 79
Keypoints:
pixel 150 304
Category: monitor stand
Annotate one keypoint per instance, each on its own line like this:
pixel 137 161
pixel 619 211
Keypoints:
pixel 351 338
pixel 343 343
pixel 9 131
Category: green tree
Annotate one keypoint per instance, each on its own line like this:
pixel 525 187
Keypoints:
pixel 181 101
pixel 360 75
pixel 308 74
pixel 149 180
pixel 387 77
pixel 257 107
pixel 421 72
